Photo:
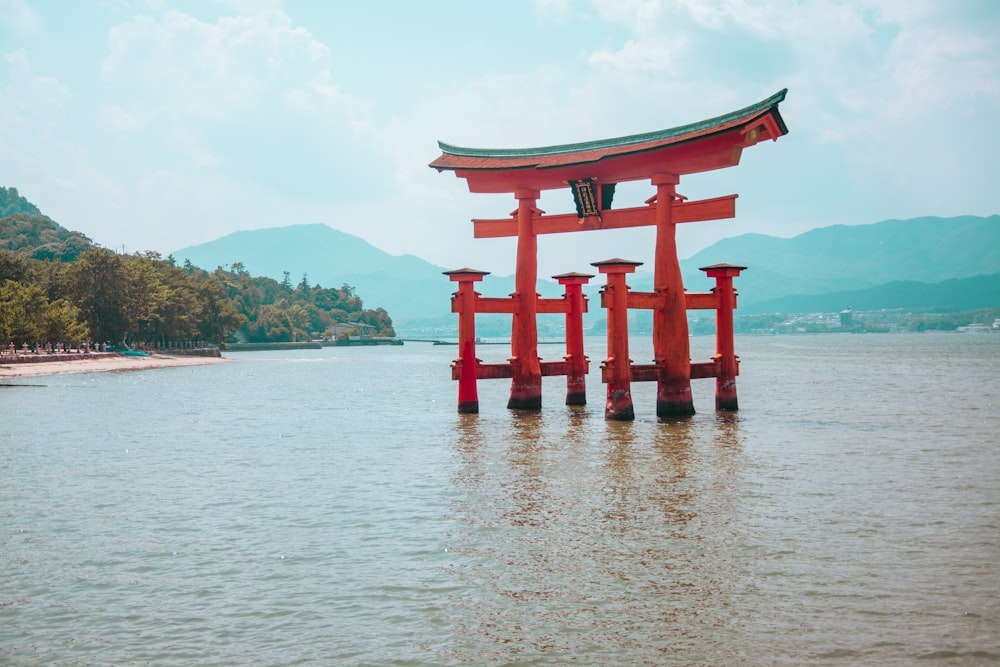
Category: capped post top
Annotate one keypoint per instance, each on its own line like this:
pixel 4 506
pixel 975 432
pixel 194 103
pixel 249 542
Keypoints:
pixel 572 277
pixel 616 265
pixel 458 275
pixel 722 270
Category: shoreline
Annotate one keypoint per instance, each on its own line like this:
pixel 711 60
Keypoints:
pixel 103 363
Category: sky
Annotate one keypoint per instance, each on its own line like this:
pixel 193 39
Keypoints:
pixel 161 124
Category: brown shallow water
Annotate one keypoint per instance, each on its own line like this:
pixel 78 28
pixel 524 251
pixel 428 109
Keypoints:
pixel 331 507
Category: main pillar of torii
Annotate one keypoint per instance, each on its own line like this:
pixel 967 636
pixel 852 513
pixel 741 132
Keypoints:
pixel 591 170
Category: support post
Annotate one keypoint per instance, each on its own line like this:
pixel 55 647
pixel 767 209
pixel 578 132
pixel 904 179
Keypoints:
pixel 464 303
pixel 618 366
pixel 526 385
pixel 725 351
pixel 671 349
pixel 576 361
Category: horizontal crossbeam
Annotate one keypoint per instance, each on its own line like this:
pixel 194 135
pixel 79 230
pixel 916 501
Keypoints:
pixel 649 372
pixel 640 372
pixel 622 218
pixel 501 371
pixel 512 305
pixel 652 301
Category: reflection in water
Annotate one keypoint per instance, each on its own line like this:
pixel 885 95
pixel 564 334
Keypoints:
pixel 589 540
pixel 846 516
pixel 527 490
pixel 727 430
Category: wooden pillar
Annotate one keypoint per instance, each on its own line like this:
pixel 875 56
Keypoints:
pixel 671 348
pixel 464 303
pixel 618 366
pixel 725 350
pixel 576 361
pixel 526 386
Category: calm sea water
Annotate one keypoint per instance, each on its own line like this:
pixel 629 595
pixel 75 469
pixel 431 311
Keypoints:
pixel 331 507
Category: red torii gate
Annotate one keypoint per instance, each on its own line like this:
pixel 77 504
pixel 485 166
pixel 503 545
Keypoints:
pixel 592 170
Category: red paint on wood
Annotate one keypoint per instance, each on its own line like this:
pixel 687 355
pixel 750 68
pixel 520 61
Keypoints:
pixel 700 301
pixel 645 300
pixel 725 354
pixel 526 385
pixel 554 306
pixel 618 366
pixel 652 301
pixel 500 371
pixel 651 372
pixel 577 363
pixel 465 366
pixel 497 305
pixel 671 349
pixel 621 218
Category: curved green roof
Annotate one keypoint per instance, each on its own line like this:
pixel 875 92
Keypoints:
pixel 752 110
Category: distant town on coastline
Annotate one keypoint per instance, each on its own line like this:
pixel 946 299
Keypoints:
pixel 275 285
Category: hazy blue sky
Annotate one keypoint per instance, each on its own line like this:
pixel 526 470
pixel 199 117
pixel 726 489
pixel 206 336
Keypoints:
pixel 158 124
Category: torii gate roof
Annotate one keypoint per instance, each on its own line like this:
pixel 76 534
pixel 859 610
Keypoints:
pixel 702 146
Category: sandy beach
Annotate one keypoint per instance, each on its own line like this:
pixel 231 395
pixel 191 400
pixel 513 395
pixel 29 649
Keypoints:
pixel 103 363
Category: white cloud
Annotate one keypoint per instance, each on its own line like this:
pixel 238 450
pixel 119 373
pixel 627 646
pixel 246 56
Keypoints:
pixel 201 124
pixel 937 67
pixel 252 6
pixel 645 55
pixel 553 8
pixel 29 96
pixel 17 16
pixel 209 69
pixel 636 14
pixel 252 95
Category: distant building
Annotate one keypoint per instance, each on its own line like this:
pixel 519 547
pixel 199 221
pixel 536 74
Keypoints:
pixel 350 329
pixel 847 318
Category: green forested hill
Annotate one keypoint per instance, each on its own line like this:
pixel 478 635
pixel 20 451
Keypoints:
pixel 39 237
pixel 25 231
pixel 12 203
pixel 56 286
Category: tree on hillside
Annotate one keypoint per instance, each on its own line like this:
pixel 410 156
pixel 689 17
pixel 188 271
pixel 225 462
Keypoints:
pixel 96 283
pixel 11 203
pixel 379 319
pixel 271 325
pixel 13 267
pixel 144 298
pixel 27 316
pixel 39 237
pixel 276 312
pixel 219 316
pixel 63 251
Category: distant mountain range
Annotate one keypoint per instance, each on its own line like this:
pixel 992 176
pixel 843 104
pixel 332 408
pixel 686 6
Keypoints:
pixel 413 291
pixel 919 263
pixel 848 258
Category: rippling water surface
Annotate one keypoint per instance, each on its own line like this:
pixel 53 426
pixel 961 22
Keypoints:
pixel 331 507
